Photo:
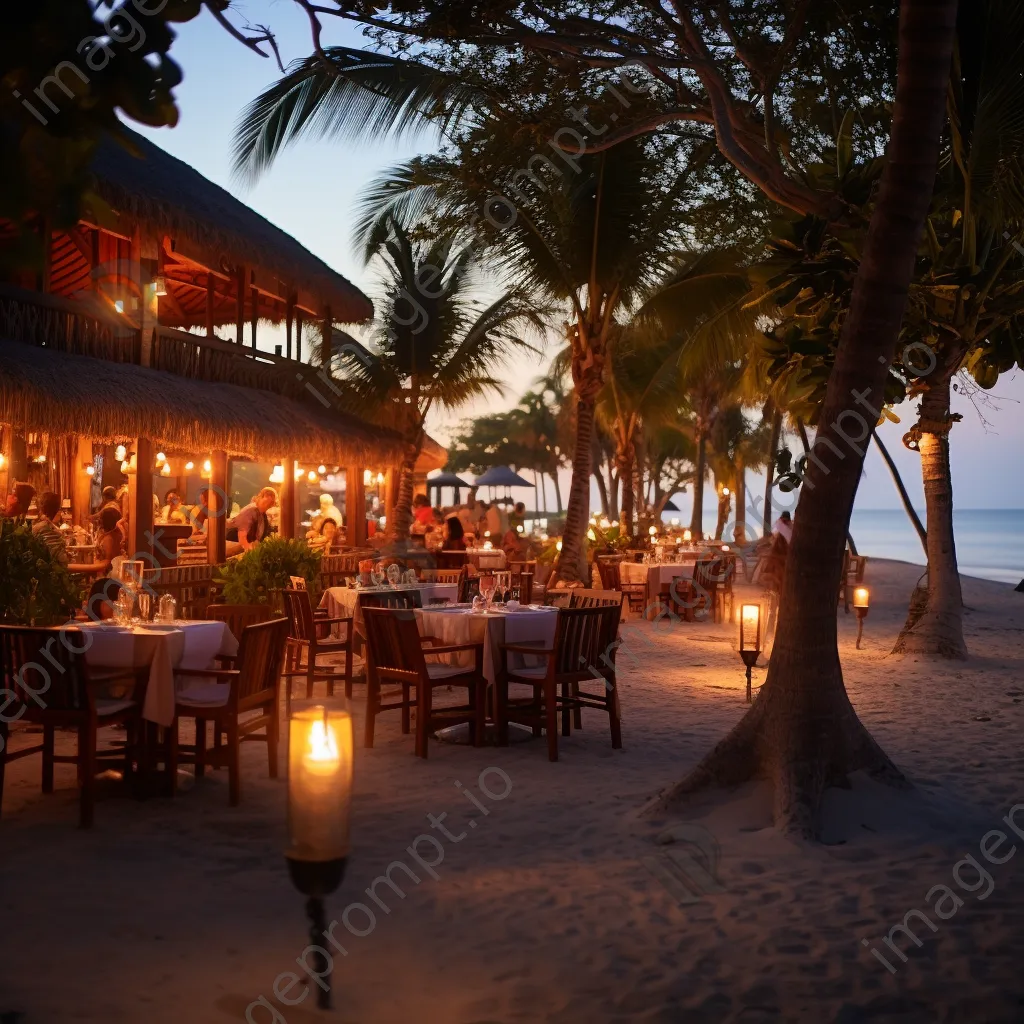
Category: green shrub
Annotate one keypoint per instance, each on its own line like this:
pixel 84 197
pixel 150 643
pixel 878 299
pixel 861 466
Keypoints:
pixel 258 574
pixel 36 590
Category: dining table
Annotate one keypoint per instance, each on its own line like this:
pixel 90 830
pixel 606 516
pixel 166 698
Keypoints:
pixel 461 624
pixel 343 602
pixel 161 653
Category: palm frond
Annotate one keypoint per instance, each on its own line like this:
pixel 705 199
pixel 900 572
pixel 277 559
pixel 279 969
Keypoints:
pixel 352 94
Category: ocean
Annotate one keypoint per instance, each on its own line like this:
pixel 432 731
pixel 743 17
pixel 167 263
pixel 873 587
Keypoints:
pixel 989 542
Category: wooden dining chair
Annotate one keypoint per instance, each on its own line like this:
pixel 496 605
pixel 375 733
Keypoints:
pixel 609 568
pixel 581 597
pixel 469 587
pixel 448 576
pixel 407 599
pixel 583 653
pixel 709 590
pixel 309 635
pixel 252 686
pixel 451 559
pixel 35 661
pixel 397 654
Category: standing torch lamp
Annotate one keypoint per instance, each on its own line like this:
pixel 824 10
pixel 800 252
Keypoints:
pixel 319 802
pixel 861 604
pixel 750 640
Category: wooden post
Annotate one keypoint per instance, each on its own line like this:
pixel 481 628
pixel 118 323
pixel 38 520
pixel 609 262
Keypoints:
pixel 6 437
pixel 145 255
pixel 81 482
pixel 286 500
pixel 46 231
pixel 255 296
pixel 288 314
pixel 240 304
pixel 211 298
pixel 389 492
pixel 326 334
pixel 140 501
pixel 298 335
pixel 355 506
pixel 217 502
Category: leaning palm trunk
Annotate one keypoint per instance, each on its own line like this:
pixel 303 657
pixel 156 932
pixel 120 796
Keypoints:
pixel 940 630
pixel 908 506
pixel 625 461
pixel 724 508
pixel 802 732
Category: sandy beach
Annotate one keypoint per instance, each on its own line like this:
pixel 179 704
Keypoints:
pixel 542 896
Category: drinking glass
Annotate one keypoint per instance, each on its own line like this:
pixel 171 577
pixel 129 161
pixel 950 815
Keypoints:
pixel 487 585
pixel 145 605
pixel 123 607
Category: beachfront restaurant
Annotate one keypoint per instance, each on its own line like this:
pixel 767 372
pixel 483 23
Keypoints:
pixel 174 340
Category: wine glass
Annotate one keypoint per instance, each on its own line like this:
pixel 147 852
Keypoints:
pixel 145 605
pixel 487 585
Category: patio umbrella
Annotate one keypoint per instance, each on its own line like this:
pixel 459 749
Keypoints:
pixel 501 476
pixel 446 480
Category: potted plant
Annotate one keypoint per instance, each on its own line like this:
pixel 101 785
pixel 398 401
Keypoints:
pixel 259 576
pixel 37 590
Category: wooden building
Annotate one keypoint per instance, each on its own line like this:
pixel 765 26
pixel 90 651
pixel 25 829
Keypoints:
pixel 142 330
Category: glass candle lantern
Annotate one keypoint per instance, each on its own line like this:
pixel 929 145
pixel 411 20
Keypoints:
pixel 750 627
pixel 861 597
pixel 319 783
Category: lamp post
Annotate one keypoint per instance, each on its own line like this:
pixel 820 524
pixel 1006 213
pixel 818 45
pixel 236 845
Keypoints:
pixel 319 801
pixel 750 640
pixel 861 603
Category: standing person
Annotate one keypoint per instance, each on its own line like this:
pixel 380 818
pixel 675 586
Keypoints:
pixel 19 501
pixel 493 522
pixel 252 523
pixel 455 539
pixel 46 531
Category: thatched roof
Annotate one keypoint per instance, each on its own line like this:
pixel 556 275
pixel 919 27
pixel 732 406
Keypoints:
pixel 157 189
pixel 65 394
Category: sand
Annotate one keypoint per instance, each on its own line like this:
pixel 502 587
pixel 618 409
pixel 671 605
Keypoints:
pixel 556 902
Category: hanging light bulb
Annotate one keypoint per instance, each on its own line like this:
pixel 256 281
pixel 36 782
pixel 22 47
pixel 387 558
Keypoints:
pixel 189 466
pixel 89 470
pixel 207 467
pixel 277 474
pixel 367 478
pixel 120 453
pixel 125 466
pixel 160 458
pixel 298 472
pixel 312 477
pixel 160 285
pixel 165 469
pixel 321 469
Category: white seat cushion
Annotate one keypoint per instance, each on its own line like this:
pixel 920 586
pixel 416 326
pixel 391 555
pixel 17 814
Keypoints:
pixel 438 671
pixel 210 695
pixel 110 706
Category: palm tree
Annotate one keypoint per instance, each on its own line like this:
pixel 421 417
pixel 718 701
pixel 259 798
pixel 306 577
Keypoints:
pixel 434 345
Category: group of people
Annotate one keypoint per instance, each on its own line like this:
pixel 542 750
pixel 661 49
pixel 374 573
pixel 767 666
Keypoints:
pixel 473 523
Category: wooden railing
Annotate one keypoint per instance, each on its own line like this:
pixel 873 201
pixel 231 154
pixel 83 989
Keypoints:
pixel 63 325
pixel 50 321
pixel 202 358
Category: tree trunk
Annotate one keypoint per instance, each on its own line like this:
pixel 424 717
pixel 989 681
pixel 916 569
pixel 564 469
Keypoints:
pixel 802 731
pixel 940 630
pixel 904 497
pixel 401 515
pixel 558 491
pixel 572 562
pixel 724 508
pixel 740 528
pixel 602 491
pixel 697 516
pixel 773 446
pixel 625 460
pixel 807 451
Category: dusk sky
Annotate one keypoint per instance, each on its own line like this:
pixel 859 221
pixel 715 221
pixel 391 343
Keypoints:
pixel 312 190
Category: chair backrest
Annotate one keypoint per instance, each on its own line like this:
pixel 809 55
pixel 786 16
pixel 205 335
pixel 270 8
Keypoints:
pixel 519 567
pixel 406 599
pixel 347 562
pixel 582 598
pixel 260 657
pixel 709 572
pixel 238 616
pixel 298 582
pixel 299 610
pixel 608 570
pixel 442 575
pixel 336 579
pixel 451 559
pixel 192 586
pixel 469 587
pixel 522 587
pixel 585 640
pixel 44 668
pixel 393 641
pixel 855 568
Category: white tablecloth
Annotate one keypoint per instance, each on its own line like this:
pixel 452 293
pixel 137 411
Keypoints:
pixel 186 645
pixel 461 626
pixel 655 576
pixel 343 602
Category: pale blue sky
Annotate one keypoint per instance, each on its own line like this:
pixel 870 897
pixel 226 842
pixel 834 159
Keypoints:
pixel 311 193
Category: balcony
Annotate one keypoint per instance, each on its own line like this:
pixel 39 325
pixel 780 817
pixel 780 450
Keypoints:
pixel 63 325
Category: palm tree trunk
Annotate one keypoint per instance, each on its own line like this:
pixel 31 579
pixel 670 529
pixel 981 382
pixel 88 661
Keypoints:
pixel 940 630
pixel 802 731
pixel 558 491
pixel 401 515
pixel 602 490
pixel 572 563
pixel 626 462
pixel 740 529
pixel 904 497
pixel 773 447
pixel 724 508
pixel 697 516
